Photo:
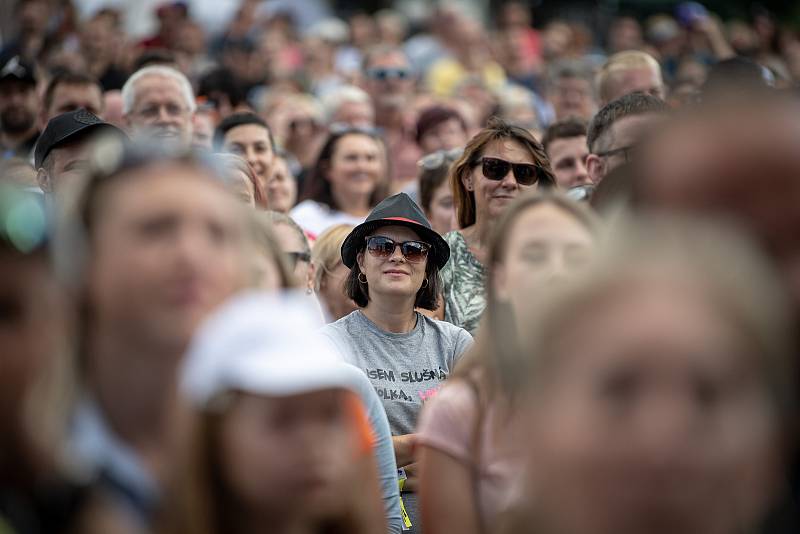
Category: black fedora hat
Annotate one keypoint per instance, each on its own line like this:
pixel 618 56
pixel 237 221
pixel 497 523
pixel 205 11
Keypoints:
pixel 397 210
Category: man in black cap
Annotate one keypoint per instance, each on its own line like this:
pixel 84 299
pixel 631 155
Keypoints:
pixel 19 107
pixel 63 148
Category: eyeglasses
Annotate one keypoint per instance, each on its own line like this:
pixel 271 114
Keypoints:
pixel 496 169
pixel 626 151
pixel 382 74
pixel 435 160
pixel 383 248
pixel 294 257
pixel 154 111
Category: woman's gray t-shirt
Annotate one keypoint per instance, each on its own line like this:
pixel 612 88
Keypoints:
pixel 405 369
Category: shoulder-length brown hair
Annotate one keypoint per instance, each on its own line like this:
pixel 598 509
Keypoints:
pixel 496 129
pixel 318 188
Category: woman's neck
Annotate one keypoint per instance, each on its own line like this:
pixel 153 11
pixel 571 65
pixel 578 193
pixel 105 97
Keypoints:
pixel 394 315
pixel 135 390
pixel 356 205
pixel 477 237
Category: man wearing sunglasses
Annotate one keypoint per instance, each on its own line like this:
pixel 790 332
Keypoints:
pixel 390 81
pixel 616 130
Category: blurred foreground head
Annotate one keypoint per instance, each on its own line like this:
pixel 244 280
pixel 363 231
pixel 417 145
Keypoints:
pixel 660 390
pixel 738 157
pixel 152 241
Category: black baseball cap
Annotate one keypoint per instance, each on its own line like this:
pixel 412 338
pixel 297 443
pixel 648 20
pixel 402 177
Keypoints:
pixel 69 126
pixel 397 210
pixel 18 68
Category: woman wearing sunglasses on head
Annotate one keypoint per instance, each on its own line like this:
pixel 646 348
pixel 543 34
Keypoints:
pixel 394 259
pixel 500 163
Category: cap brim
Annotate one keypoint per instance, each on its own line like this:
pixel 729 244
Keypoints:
pixel 266 374
pixel 353 243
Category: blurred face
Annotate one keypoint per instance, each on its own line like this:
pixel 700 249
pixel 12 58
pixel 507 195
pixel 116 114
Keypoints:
pixel 286 455
pixel 251 141
pixel 356 166
pixel 572 97
pixel 568 160
pixel 493 196
pixel 67 164
pixel 202 131
pixel 442 212
pixel 160 112
pixel 394 276
pixel 281 187
pixel 19 106
pixel 546 246
pixel 331 292
pixel 642 79
pixel 389 81
pixel 296 248
pixel 169 246
pixel 69 97
pixel 653 419
pixel 444 136
pixel 30 328
pixel 357 114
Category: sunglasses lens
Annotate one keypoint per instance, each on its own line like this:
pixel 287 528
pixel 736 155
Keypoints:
pixel 382 247
pixel 495 169
pixel 414 251
pixel 525 174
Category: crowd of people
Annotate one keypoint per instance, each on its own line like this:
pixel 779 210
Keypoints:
pixel 390 273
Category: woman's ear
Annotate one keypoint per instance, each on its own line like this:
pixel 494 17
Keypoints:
pixel 360 261
pixel 466 181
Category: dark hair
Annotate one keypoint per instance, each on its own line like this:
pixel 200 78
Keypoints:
pixel 624 106
pixel 496 129
pixel 427 296
pixel 155 56
pixel 240 119
pixel 222 81
pixel 571 127
pixel 433 116
pixel 318 188
pixel 66 78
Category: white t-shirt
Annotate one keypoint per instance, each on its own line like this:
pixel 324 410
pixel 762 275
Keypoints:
pixel 315 218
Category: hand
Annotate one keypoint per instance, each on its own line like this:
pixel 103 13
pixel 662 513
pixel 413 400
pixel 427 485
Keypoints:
pixel 404 449
pixel 412 480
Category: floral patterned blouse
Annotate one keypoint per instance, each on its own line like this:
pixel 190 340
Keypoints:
pixel 463 280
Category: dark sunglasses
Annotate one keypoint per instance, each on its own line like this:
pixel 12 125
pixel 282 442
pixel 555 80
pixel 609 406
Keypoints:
pixel 383 74
pixel 435 160
pixel 294 257
pixel 496 169
pixel 383 247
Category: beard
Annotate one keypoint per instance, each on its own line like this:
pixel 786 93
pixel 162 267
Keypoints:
pixel 16 120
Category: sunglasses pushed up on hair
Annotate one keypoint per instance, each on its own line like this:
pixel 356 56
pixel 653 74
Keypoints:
pixel 383 247
pixel 524 173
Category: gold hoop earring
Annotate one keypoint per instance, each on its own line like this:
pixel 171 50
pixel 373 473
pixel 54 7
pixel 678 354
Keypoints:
pixel 424 283
pixel 364 281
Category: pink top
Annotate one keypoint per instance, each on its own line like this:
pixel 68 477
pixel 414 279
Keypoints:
pixel 447 423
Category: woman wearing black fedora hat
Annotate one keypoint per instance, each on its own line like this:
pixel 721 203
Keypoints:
pixel 394 259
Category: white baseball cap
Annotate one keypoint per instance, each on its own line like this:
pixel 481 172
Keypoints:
pixel 263 343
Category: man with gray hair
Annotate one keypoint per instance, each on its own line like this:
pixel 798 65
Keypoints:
pixel 349 105
pixel 158 104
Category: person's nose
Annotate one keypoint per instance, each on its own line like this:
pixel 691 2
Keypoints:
pixel 582 173
pixel 397 254
pixel 509 181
